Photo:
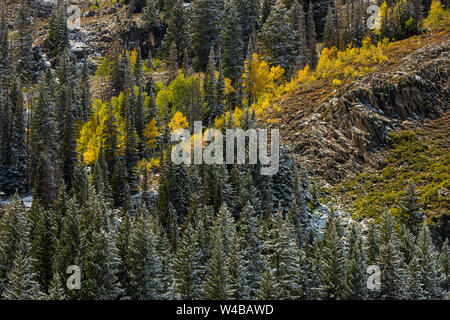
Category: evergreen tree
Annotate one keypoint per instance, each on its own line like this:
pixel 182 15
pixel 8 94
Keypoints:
pixel 232 46
pixel 278 40
pixel 151 17
pixel 249 17
pixel 218 281
pixel 146 265
pixel 283 251
pixel 43 247
pixel 334 260
pixel 444 267
pixel 85 110
pixel 268 288
pixel 56 290
pixel 23 45
pixel 58 34
pixel 100 268
pixel 21 284
pixel 173 61
pixel 238 270
pixel 13 150
pixel 411 209
pixel 177 30
pixel 205 29
pixel 312 37
pixel 427 259
pixel 391 262
pixel 188 267
pixel 356 267
pixel 13 234
pixel 252 248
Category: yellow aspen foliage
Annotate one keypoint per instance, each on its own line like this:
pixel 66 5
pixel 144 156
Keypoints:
pixel 437 16
pixel 259 78
pixel 151 133
pixel 178 122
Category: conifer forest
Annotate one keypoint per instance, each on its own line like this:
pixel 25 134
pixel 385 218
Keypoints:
pixel 93 205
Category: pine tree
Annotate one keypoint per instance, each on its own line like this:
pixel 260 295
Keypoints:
pixel 110 138
pixel 146 265
pixel 312 37
pixel 249 17
pixel 205 30
pixel 268 288
pixel 177 30
pixel 277 39
pixel 21 284
pixel 283 181
pixel 232 46
pixel 13 232
pixel 151 17
pixel 173 61
pixel 5 63
pixel 411 209
pixel 100 268
pixel 43 247
pixel 427 259
pixel 266 9
pixel 356 267
pixel 444 267
pixel 56 290
pixel 283 252
pixel 13 150
pixel 218 282
pixel 84 93
pixel 252 248
pixel 188 267
pixel 58 34
pixel 373 244
pixel 391 262
pixel 23 45
pixel 67 251
pixel 414 281
pixel 238 270
pixel 334 258
pixel 329 35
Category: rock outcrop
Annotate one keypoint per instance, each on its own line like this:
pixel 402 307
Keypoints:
pixel 343 133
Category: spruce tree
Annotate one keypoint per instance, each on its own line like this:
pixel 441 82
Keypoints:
pixel 232 46
pixel 334 260
pixel 356 267
pixel 444 267
pixel 14 232
pixel 277 39
pixel 283 251
pixel 146 265
pixel 427 259
pixel 205 30
pixel 177 30
pixel 411 209
pixel 252 248
pixel 188 266
pixel 391 262
pixel 23 45
pixel 21 284
pixel 311 38
pixel 218 281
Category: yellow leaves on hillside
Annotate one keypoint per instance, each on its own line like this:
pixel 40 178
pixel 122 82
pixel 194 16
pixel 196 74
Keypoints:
pixel 351 63
pixel 151 133
pixel 259 78
pixel 178 122
pixel 437 16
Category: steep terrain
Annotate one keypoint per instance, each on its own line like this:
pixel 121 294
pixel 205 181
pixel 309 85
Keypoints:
pixel 339 132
